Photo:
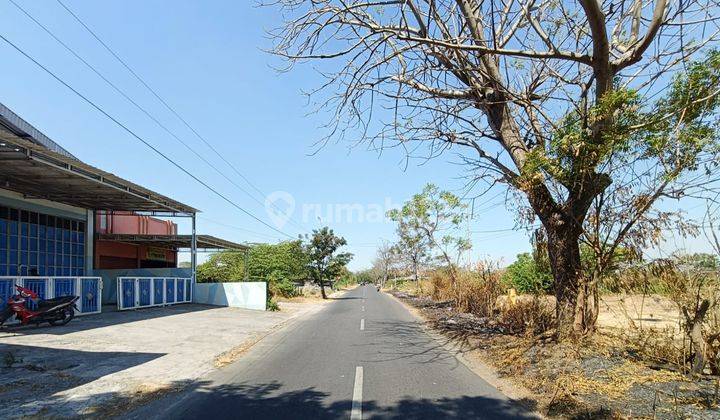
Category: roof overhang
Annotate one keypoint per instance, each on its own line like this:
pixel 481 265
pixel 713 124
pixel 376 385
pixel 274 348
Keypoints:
pixel 29 167
pixel 205 242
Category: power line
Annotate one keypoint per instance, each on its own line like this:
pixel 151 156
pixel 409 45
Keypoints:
pixel 169 107
pixel 237 227
pixel 134 103
pixel 142 140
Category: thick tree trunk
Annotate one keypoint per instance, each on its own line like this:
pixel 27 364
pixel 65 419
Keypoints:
pixel 587 306
pixel 322 290
pixel 564 255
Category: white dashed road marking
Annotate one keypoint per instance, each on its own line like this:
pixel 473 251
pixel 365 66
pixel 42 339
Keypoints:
pixel 362 324
pixel 356 411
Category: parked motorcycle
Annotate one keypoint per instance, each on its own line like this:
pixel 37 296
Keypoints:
pixel 56 311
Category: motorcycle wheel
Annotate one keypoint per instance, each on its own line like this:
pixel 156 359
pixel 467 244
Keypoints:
pixel 67 315
pixel 5 315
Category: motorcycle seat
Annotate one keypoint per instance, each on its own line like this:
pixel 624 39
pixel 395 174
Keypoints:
pixel 49 303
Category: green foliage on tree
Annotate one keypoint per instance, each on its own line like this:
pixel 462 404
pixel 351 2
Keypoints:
pixel 325 263
pixel 226 266
pixel 413 247
pixel 365 276
pixel 432 219
pixel 699 260
pixel 286 260
pixel 527 276
pixel 280 265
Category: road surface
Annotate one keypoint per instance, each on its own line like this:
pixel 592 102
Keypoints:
pixel 363 356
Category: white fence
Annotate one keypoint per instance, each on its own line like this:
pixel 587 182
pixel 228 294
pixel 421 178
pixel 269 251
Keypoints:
pixel 89 289
pixel 248 295
pixel 144 292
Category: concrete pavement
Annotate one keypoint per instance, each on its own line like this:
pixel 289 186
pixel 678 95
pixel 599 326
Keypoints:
pixel 97 360
pixel 362 356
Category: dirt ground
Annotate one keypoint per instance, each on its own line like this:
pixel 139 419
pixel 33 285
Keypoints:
pixel 82 368
pixel 605 377
pixel 638 311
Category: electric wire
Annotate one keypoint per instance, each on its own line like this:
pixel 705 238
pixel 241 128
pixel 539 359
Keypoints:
pixel 169 107
pixel 139 138
pixel 138 106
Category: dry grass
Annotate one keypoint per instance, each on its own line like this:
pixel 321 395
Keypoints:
pixel 634 367
pixel 236 352
pixel 122 403
pixel 614 383
pixel 475 291
pixel 528 316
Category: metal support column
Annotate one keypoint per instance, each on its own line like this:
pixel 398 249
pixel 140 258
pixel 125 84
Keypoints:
pixel 193 255
pixel 247 267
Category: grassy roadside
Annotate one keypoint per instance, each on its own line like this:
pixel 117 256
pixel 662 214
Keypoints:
pixel 600 378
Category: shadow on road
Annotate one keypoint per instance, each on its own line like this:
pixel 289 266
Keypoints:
pixel 395 340
pixel 272 401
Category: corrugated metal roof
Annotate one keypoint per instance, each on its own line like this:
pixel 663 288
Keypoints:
pixel 21 128
pixel 34 165
pixel 173 241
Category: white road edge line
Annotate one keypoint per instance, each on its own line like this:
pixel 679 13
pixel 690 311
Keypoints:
pixel 356 411
pixel 362 324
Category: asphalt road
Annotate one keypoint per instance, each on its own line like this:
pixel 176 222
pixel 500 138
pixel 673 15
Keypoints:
pixel 363 356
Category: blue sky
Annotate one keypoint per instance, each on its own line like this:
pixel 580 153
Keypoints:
pixel 207 60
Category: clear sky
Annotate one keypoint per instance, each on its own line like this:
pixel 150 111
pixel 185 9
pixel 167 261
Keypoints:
pixel 206 59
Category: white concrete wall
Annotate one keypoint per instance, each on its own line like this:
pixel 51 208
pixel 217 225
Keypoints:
pixel 248 295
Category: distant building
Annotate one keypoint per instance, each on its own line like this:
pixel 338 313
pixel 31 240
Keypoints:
pixel 116 254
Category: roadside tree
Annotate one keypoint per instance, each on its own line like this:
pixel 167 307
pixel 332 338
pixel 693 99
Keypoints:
pixel 412 247
pixel 434 219
pixel 557 101
pixel 325 263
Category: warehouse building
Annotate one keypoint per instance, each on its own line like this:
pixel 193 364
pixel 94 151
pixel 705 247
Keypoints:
pixel 67 227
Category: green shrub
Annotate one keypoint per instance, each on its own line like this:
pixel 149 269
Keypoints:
pixel 279 285
pixel 526 276
pixel 271 305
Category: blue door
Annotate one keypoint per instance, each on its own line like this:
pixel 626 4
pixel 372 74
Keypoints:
pixel 90 295
pixel 38 286
pixel 170 290
pixel 158 291
pixel 7 289
pixel 64 287
pixel 180 290
pixel 127 287
pixel 144 291
pixel 188 290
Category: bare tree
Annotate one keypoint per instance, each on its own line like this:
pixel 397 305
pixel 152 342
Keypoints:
pixel 536 95
pixel 384 263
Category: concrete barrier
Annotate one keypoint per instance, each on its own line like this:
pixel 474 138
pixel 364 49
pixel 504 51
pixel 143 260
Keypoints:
pixel 248 295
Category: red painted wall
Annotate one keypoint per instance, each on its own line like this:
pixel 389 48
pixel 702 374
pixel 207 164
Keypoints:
pixel 118 255
pixel 133 224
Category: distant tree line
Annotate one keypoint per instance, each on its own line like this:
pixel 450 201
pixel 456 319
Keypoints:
pixel 315 258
